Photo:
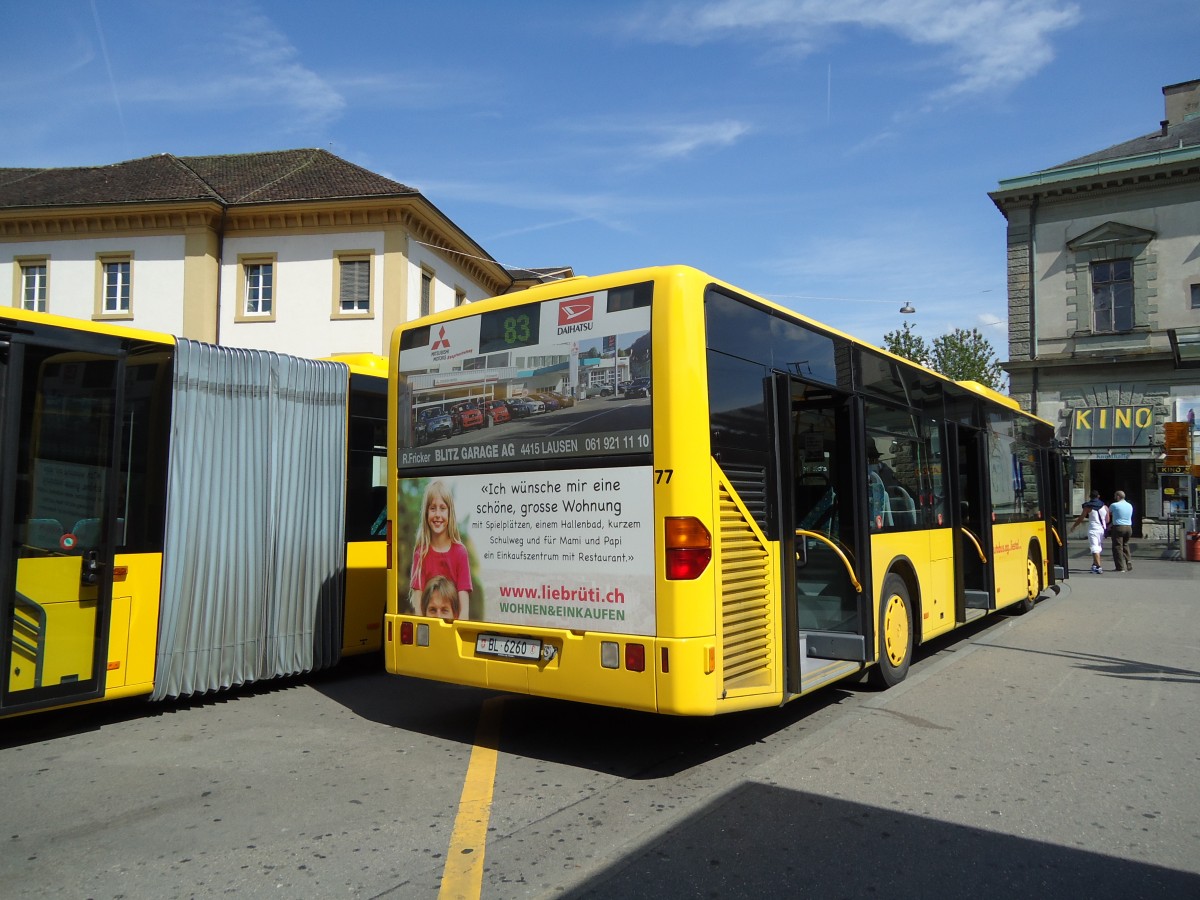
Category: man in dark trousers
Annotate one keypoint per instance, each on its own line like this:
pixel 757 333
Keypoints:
pixel 1121 531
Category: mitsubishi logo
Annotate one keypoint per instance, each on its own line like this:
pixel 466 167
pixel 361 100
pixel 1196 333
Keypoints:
pixel 441 341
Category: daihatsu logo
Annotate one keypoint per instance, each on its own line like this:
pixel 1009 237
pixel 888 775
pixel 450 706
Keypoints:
pixel 575 315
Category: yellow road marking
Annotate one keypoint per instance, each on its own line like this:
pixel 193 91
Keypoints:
pixel 462 876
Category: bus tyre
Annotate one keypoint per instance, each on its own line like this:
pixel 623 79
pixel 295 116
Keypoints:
pixel 895 634
pixel 1033 584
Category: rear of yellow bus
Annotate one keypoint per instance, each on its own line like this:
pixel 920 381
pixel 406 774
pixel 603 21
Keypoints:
pixel 571 548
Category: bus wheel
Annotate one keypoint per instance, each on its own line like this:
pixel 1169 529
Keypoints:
pixel 895 634
pixel 1033 584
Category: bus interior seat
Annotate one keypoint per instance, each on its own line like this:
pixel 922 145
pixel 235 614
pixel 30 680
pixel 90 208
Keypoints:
pixel 87 533
pixel 44 534
pixel 379 502
pixel 904 509
pixel 810 490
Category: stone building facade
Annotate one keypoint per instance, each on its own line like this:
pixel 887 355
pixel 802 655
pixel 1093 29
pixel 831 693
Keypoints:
pixel 1104 311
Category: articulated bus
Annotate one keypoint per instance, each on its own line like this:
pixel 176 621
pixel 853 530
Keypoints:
pixel 696 502
pixel 178 518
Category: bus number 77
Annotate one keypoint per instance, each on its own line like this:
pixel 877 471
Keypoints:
pixel 663 476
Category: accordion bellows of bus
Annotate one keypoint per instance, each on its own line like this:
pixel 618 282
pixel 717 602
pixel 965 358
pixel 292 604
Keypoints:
pixel 178 518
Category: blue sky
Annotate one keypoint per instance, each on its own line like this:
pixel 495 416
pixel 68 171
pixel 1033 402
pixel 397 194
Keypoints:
pixel 832 155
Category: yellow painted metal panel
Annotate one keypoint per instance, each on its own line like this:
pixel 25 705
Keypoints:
pixel 118 643
pixel 1011 545
pixel 366 590
pixel 70 631
pixel 143 584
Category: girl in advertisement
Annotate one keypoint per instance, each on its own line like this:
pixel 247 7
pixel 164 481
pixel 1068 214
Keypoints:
pixel 438 549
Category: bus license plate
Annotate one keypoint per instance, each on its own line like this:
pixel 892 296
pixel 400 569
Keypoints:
pixel 508 647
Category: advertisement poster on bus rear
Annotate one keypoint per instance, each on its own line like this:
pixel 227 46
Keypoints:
pixel 567 378
pixel 570 549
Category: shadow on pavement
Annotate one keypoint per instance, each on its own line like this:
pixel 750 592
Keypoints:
pixel 764 841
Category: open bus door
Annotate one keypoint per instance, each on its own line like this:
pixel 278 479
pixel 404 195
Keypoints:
pixel 1054 480
pixel 59 435
pixel 971 518
pixel 826 566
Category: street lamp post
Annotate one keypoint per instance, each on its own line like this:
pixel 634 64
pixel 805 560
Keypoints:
pixel 1192 504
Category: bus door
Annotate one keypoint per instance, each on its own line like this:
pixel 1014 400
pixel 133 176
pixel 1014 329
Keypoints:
pixel 971 518
pixel 1053 483
pixel 59 412
pixel 822 536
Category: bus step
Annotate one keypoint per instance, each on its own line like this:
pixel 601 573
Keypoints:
pixel 978 599
pixel 836 646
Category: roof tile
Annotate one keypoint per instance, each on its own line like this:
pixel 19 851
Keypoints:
pixel 238 179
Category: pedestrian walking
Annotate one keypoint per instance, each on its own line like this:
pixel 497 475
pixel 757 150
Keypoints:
pixel 1095 513
pixel 1121 531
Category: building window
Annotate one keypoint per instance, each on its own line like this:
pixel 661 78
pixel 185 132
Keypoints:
pixel 353 285
pixel 1196 296
pixel 1112 295
pixel 256 289
pixel 114 290
pixel 33 285
pixel 259 288
pixel 460 297
pixel 426 293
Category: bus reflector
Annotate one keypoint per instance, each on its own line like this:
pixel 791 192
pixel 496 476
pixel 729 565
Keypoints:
pixel 635 657
pixel 406 632
pixel 689 547
pixel 387 530
pixel 710 660
pixel 423 634
pixel 666 663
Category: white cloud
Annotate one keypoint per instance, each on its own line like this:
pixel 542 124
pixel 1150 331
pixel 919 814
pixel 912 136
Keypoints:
pixel 677 141
pixel 987 44
pixel 253 65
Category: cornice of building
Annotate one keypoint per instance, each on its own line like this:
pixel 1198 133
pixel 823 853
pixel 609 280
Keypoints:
pixel 414 213
pixel 1133 172
pixel 117 218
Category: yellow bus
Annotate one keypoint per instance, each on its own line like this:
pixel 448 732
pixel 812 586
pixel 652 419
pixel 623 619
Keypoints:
pixel 178 518
pixel 699 501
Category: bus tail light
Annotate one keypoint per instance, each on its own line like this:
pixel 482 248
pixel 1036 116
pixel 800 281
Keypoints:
pixel 406 632
pixel 635 657
pixel 689 547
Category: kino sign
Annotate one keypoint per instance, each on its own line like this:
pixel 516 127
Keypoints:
pixel 1112 426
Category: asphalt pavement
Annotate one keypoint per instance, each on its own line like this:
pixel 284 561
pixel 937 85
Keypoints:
pixel 1054 754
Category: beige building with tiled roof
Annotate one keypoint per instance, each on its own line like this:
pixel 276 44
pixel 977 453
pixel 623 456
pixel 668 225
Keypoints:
pixel 296 251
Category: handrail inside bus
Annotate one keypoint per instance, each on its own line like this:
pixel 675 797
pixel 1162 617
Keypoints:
pixel 800 532
pixel 978 548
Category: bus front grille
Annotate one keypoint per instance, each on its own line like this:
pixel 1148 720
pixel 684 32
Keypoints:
pixel 745 600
